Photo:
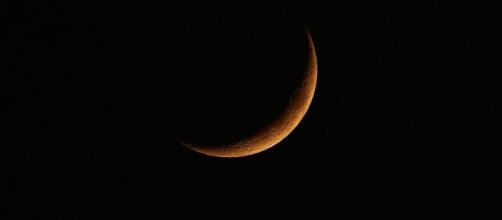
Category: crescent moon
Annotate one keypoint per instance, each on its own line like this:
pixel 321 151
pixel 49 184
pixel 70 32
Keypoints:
pixel 278 129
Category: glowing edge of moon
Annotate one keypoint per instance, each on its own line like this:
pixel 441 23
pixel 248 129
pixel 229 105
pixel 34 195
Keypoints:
pixel 281 127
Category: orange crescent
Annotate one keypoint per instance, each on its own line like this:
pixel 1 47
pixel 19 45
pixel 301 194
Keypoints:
pixel 281 127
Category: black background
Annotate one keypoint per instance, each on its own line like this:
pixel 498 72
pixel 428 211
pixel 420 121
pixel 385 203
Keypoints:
pixel 404 123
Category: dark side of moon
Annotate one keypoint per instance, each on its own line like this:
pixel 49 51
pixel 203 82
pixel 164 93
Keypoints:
pixel 279 128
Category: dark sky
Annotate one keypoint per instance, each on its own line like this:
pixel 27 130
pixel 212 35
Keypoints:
pixel 404 123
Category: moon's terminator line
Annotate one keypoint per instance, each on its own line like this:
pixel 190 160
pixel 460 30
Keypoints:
pixel 281 127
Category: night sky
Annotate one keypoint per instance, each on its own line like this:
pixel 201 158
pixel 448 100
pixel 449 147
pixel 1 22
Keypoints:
pixel 404 123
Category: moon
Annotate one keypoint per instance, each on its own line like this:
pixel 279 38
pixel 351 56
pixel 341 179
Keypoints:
pixel 279 128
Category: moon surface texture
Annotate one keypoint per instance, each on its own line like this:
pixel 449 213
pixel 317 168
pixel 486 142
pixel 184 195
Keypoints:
pixel 278 129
